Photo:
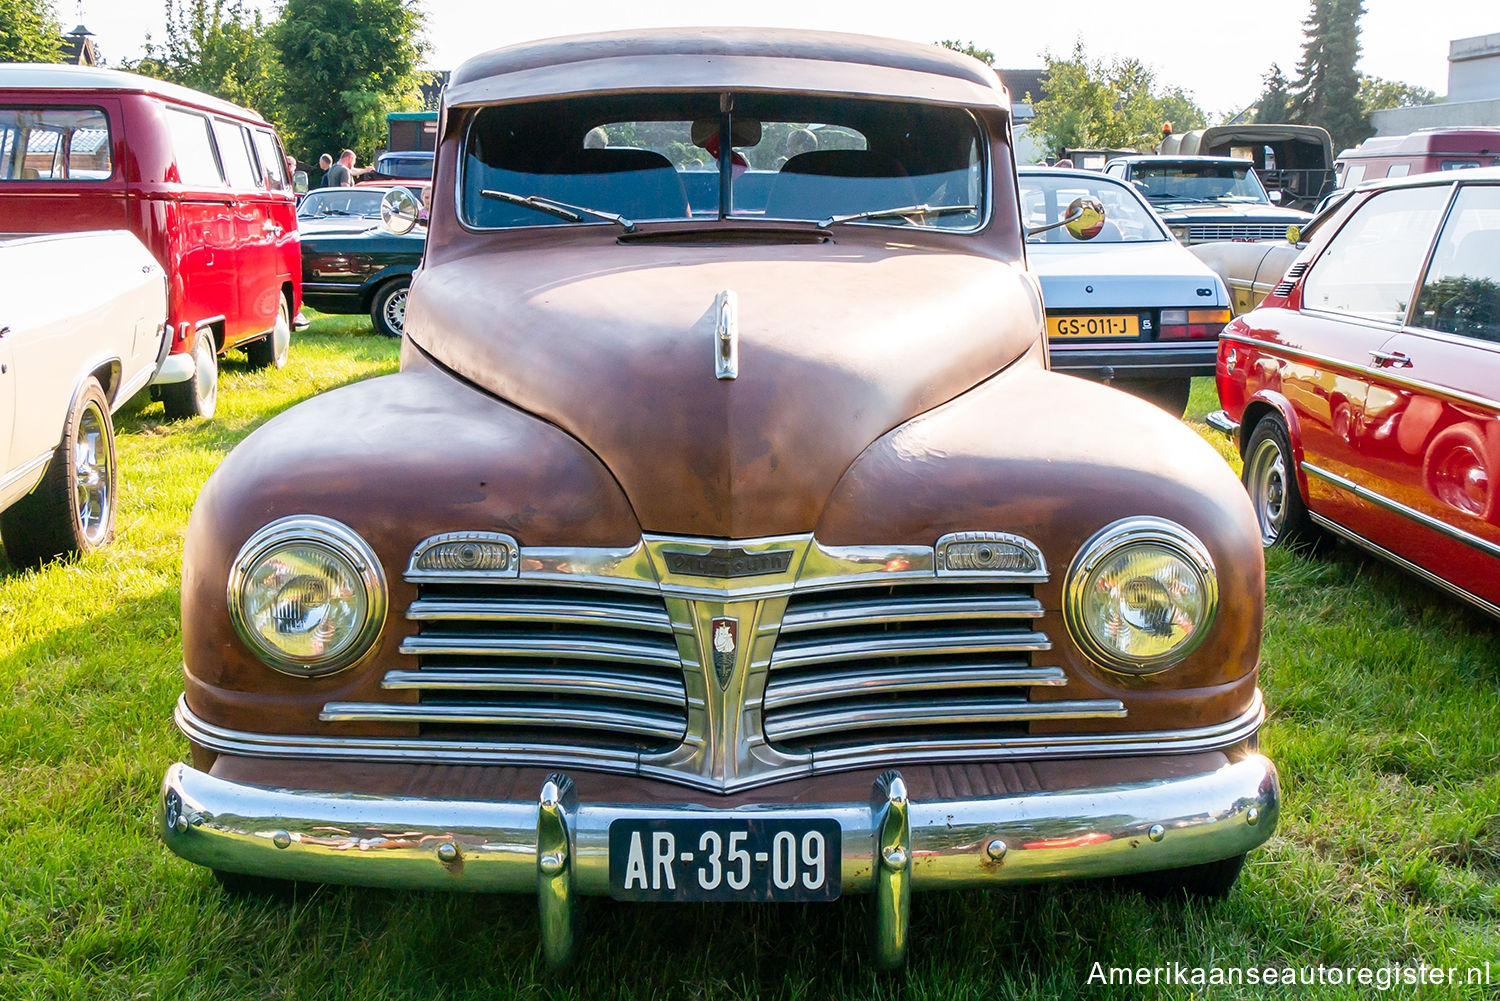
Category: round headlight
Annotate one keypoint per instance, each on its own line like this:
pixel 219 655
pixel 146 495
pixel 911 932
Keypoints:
pixel 307 595
pixel 1141 595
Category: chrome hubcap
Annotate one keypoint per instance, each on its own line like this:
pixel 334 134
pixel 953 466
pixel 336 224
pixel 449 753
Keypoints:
pixel 395 311
pixel 1266 477
pixel 91 474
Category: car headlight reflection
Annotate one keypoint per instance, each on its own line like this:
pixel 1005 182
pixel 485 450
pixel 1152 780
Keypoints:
pixel 1141 595
pixel 307 595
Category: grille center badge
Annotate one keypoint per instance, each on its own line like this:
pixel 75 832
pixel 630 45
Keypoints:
pixel 724 562
pixel 726 640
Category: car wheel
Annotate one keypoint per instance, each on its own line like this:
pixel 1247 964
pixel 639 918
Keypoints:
pixel 72 510
pixel 271 351
pixel 199 395
pixel 1208 881
pixel 1169 394
pixel 388 308
pixel 1270 477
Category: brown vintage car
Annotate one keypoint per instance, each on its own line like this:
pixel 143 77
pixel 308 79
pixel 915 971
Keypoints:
pixel 724 535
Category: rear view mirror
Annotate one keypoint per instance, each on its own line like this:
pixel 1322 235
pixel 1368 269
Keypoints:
pixel 299 182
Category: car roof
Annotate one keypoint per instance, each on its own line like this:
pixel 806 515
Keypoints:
pixel 745 59
pixel 1433 177
pixel 1171 158
pixel 56 76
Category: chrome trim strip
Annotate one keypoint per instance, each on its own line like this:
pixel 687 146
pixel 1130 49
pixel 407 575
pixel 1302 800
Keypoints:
pixel 813 722
pixel 410 750
pixel 35 467
pixel 616 685
pixel 1487 607
pixel 610 567
pixel 842 684
pixel 539 610
pixel 803 653
pixel 640 722
pixel 1484 546
pixel 885 611
pixel 1379 374
pixel 448 844
pixel 600 648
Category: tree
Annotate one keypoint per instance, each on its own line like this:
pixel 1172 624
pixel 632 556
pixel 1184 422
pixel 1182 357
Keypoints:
pixel 345 64
pixel 218 47
pixel 29 33
pixel 969 49
pixel 1326 91
pixel 1275 104
pixel 1376 94
pixel 1093 104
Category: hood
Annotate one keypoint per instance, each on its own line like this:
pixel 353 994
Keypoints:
pixel 1175 212
pixel 615 344
pixel 1123 275
pixel 319 225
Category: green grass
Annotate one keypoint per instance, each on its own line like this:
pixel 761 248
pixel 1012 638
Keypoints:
pixel 1384 714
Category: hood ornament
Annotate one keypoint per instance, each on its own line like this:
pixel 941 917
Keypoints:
pixel 726 635
pixel 727 336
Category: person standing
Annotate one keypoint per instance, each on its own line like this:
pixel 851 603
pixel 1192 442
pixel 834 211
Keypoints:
pixel 341 174
pixel 325 162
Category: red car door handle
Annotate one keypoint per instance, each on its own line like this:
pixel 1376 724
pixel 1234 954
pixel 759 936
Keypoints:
pixel 1390 359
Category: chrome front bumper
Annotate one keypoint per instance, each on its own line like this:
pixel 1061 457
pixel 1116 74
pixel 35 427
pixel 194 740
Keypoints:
pixel 558 848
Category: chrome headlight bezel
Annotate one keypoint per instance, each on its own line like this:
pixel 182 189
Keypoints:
pixel 1113 539
pixel 336 539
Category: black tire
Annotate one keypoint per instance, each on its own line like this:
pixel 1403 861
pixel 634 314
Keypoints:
pixel 271 351
pixel 388 307
pixel 1169 394
pixel 1270 477
pixel 72 509
pixel 1208 881
pixel 199 396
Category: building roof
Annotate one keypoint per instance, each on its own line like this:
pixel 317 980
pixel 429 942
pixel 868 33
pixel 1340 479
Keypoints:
pixel 56 76
pixel 1023 82
pixel 726 58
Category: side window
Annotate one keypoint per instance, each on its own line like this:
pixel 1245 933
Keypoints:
pixel 234 154
pixel 1398 170
pixel 272 166
pixel 1371 267
pixel 1354 175
pixel 193 149
pixel 1461 292
pixel 54 144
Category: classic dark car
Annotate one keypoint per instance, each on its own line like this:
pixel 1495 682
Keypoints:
pixel 350 262
pixel 731 548
pixel 1203 198
pixel 1365 392
pixel 1128 304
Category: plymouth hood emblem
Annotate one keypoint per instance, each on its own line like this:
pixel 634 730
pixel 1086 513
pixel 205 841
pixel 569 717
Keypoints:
pixel 726 638
pixel 726 563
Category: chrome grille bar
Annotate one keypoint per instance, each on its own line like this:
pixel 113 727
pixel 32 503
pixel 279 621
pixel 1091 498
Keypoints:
pixel 802 653
pixel 814 722
pixel 562 611
pixel 664 726
pixel 631 686
pixel 544 646
pixel 829 685
pixel 830 611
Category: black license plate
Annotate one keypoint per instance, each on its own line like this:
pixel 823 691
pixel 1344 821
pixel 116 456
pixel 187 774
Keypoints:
pixel 724 859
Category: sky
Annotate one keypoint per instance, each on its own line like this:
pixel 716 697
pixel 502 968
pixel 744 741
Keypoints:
pixel 1216 50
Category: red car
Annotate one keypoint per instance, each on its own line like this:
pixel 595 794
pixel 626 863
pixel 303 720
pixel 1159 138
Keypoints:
pixel 200 181
pixel 1364 393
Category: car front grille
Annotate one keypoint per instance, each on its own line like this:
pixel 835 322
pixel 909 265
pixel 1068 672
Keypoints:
pixel 587 666
pixel 1202 232
pixel 937 661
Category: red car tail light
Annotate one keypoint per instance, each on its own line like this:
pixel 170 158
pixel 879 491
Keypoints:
pixel 1191 324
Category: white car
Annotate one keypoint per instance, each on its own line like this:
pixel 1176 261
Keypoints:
pixel 71 352
pixel 1127 304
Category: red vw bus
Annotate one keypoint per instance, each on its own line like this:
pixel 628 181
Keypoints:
pixel 201 181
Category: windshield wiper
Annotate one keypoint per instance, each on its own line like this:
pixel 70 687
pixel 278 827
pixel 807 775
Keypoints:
pixel 563 210
pixel 916 210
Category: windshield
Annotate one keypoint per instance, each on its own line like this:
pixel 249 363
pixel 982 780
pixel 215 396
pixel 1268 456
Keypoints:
pixel 1045 199
pixel 362 203
pixel 394 165
pixel 633 158
pixel 1185 181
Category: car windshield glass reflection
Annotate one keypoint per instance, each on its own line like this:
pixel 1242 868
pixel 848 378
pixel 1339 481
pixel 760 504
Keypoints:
pixel 1045 200
pixel 341 202
pixel 1199 182
pixel 793 158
